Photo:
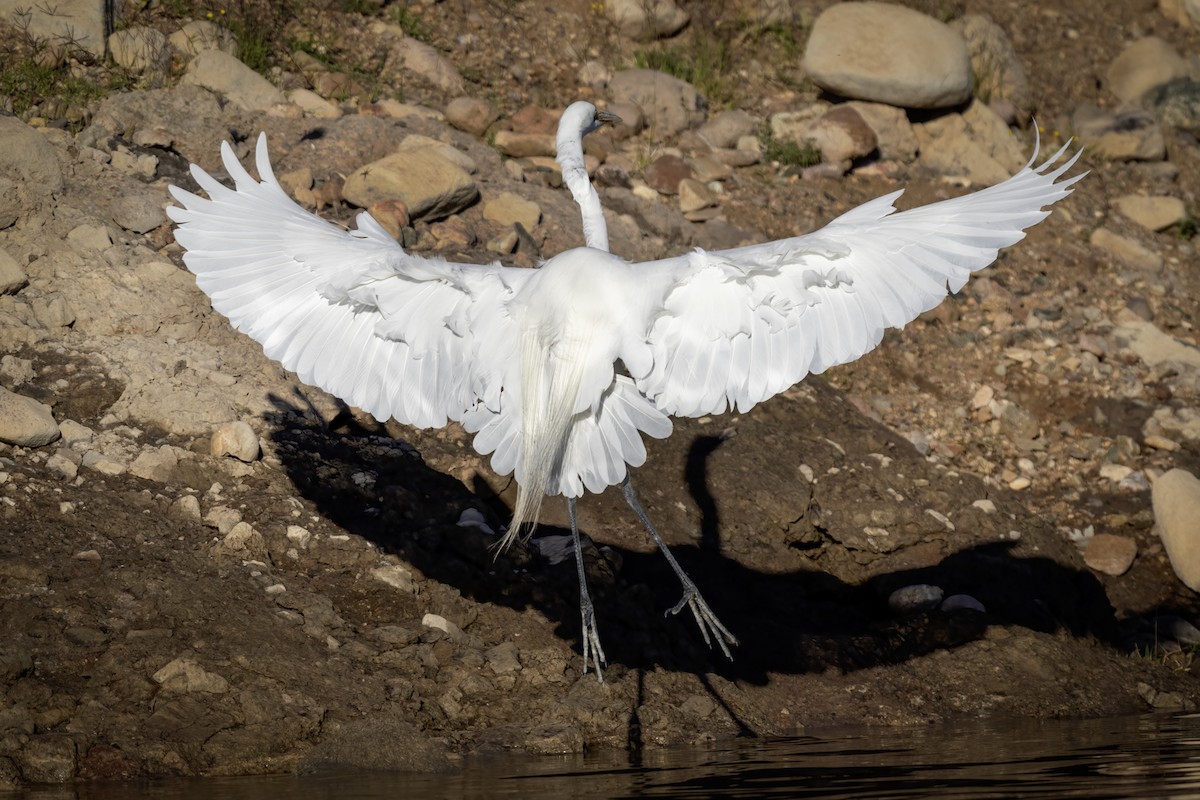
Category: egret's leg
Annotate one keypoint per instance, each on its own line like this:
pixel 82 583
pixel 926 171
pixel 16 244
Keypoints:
pixel 705 618
pixel 591 634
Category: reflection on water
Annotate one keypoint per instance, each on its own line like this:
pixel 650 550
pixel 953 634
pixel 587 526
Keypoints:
pixel 1130 757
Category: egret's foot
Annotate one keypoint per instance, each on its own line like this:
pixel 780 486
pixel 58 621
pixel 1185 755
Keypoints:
pixel 710 627
pixel 592 651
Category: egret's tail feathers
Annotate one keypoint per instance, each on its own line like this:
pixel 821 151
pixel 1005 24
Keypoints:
pixel 551 374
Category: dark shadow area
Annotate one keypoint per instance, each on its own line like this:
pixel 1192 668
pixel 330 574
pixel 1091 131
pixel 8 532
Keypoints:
pixel 802 621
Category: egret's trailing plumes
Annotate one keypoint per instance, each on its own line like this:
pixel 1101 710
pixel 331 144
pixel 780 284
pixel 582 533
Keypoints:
pixel 525 359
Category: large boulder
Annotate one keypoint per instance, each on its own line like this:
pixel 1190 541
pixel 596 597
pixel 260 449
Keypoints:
pixel 669 105
pixel 1176 500
pixel 430 185
pixel 888 54
pixel 225 75
pixel 646 20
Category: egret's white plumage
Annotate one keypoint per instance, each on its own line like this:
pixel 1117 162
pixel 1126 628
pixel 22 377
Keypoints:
pixel 525 359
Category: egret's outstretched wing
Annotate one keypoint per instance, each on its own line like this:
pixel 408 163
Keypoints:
pixel 737 326
pixel 349 311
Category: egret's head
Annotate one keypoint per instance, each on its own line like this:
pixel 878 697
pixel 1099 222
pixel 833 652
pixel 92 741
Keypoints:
pixel 601 119
pixel 582 118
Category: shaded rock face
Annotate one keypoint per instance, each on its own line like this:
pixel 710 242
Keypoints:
pixel 888 54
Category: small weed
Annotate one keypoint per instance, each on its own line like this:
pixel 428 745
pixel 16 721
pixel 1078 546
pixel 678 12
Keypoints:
pixel 705 64
pixel 787 152
pixel 410 23
pixel 1187 227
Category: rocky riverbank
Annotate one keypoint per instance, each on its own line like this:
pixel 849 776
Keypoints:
pixel 209 568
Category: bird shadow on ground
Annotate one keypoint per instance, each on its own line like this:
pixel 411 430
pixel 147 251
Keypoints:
pixel 793 621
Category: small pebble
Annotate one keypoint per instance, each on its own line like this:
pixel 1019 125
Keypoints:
pixel 915 598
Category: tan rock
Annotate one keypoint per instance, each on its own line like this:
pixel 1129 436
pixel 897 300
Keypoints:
pixel 1154 212
pixel 1175 497
pixel 888 54
pixel 1110 554
pixel 430 185
pixel 1143 65
pixel 1125 249
pixel 24 421
pixel 510 209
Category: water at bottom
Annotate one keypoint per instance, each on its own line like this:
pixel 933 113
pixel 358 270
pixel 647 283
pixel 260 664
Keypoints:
pixel 1127 757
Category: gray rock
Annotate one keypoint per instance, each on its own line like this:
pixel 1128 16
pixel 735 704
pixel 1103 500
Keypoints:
pixel 242 541
pixel 1155 213
pixel 104 464
pixel 429 184
pixel 24 421
pixel 222 518
pixel 1176 501
pixel 916 598
pixel 139 212
pixel 1153 345
pixel 156 464
pixel 1125 249
pixel 186 507
pixel 512 209
pixel 1129 135
pixel 503 658
pixel 140 49
pixel 88 238
pixel 633 119
pixel 706 168
pixel 63 465
pixel 75 433
pixel 28 159
pixel 396 576
pixel 1144 65
pixel 12 277
pixel 11 206
pixel 888 54
pixel 313 105
pixel 235 439
pixel 200 34
pixel 694 196
pixel 669 105
pixel 409 55
pixel 222 73
pixel 975 145
pixel 997 70
pixel 1177 104
pixel 471 114
pixel 894 135
pixel 646 20
pixel 725 128
pixel 80 22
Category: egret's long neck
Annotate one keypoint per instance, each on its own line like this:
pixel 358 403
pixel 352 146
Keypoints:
pixel 570 158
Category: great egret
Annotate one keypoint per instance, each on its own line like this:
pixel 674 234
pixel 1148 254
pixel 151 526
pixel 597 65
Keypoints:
pixel 525 358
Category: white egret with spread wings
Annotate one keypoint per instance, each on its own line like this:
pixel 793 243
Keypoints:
pixel 527 359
